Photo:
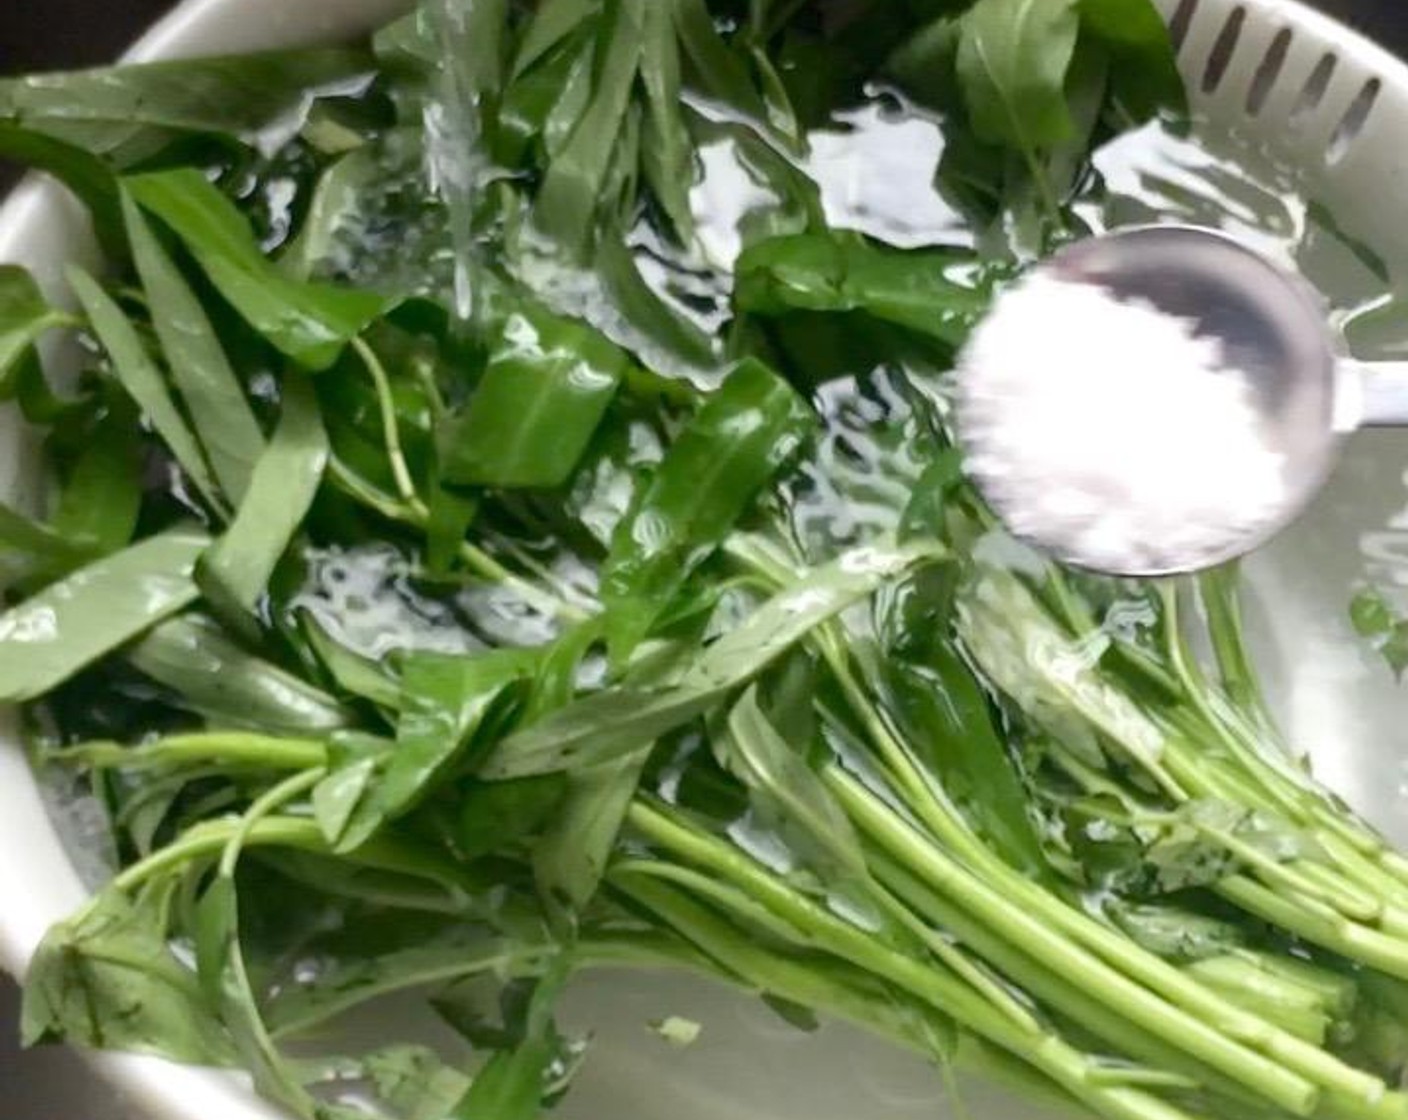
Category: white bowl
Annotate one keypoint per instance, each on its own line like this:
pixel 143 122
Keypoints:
pixel 1337 700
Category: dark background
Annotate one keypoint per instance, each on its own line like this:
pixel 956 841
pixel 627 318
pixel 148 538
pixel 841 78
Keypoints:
pixel 54 34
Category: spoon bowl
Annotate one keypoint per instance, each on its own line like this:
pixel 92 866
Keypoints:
pixel 1268 327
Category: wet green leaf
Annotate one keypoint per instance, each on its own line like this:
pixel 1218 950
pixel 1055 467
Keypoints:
pixel 1144 75
pixel 353 673
pixel 548 383
pixel 309 322
pixel 935 292
pixel 70 624
pixel 143 381
pixel 87 176
pixel 107 979
pixel 567 201
pixel 281 490
pixel 223 421
pixel 744 434
pixel 776 770
pixel 129 112
pixel 25 316
pixel 210 674
pixel 1013 56
pixel 613 723
pixel 570 858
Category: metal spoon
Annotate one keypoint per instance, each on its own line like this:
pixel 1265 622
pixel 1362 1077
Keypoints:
pixel 1272 325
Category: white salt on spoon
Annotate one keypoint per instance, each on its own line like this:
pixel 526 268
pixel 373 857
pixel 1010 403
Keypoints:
pixel 1158 400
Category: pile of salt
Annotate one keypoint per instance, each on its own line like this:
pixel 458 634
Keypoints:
pixel 1111 433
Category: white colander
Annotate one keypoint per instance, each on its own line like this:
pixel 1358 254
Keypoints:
pixel 1270 76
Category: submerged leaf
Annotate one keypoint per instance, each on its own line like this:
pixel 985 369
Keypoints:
pixel 935 292
pixel 25 316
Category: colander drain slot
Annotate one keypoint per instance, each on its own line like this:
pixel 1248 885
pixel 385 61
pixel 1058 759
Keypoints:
pixel 1268 71
pixel 1223 49
pixel 1316 86
pixel 1182 20
pixel 1352 124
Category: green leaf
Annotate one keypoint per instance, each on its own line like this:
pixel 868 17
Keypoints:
pixel 25 316
pixel 945 714
pixel 102 496
pixel 925 66
pixel 493 816
pixel 372 971
pixel 745 433
pixel 281 491
pixel 511 1085
pixel 719 72
pixel 1190 850
pixel 926 512
pixel 87 176
pixel 43 550
pixel 211 675
pixel 107 979
pixel 552 22
pixel 1373 618
pixel 356 675
pixel 129 112
pixel 931 291
pixel 1144 75
pixel 514 1082
pixel 72 623
pixel 571 857
pixel 1013 56
pixel 450 516
pixel 144 383
pixel 790 790
pixel 667 149
pixel 444 698
pixel 309 322
pixel 548 383
pixel 613 723
pixel 567 201
pixel 213 395
pixel 1178 934
pixel 216 927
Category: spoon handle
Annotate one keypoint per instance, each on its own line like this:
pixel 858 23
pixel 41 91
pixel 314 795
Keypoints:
pixel 1375 395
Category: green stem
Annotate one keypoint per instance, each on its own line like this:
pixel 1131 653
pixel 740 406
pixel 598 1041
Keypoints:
pixel 390 429
pixel 236 748
pixel 1053 989
pixel 1067 1067
pixel 1037 925
pixel 1217 590
pixel 476 560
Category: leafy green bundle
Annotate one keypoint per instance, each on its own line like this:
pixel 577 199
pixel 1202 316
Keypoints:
pixel 456 577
